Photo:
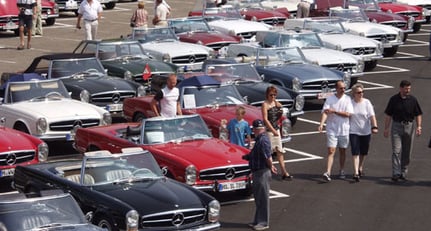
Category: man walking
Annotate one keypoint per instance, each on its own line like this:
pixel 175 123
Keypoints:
pixel 402 110
pixel 91 12
pixel 27 8
pixel 37 23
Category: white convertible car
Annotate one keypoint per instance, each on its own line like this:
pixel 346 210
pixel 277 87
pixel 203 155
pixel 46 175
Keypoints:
pixel 334 36
pixel 313 50
pixel 44 109
pixel 356 22
pixel 162 44
pixel 291 5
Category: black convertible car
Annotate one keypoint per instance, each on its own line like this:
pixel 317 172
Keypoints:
pixel 125 191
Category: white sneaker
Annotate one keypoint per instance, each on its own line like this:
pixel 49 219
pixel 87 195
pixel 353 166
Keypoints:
pixel 342 174
pixel 326 177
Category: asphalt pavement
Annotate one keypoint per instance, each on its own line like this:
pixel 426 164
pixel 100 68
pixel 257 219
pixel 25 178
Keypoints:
pixel 307 203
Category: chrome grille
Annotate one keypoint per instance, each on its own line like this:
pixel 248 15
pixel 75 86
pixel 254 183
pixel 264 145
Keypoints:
pixel 383 37
pixel 175 218
pixel 8 19
pixel 345 67
pixel 196 58
pixel 274 21
pixel 317 85
pixel 410 14
pixel 224 173
pixel 361 50
pixel 400 25
pixel 16 157
pixel 68 125
pixel 111 97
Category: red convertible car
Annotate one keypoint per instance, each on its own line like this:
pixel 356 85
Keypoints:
pixel 183 148
pixel 392 6
pixel 19 148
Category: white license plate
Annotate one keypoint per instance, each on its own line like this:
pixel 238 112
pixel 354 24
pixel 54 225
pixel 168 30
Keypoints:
pixel 230 186
pixel 324 95
pixel 7 172
pixel 10 26
pixel 114 107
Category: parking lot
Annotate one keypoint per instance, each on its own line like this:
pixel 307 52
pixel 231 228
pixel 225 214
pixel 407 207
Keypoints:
pixel 306 203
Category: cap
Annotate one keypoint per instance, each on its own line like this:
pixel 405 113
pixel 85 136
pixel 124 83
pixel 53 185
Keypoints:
pixel 258 124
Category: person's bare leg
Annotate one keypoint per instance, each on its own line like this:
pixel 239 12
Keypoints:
pixel 356 164
pixel 28 38
pixel 280 158
pixel 21 36
pixel 330 160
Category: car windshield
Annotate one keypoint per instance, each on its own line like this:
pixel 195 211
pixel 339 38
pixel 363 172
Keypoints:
pixel 189 25
pixel 225 12
pixel 108 51
pixel 279 56
pixel 248 4
pixel 353 15
pixel 36 91
pixel 178 129
pixel 37 213
pixel 368 5
pixel 324 26
pixel 77 68
pixel 301 40
pixel 102 168
pixel 153 34
pixel 198 97
pixel 232 72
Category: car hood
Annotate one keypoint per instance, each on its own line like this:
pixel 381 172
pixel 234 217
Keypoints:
pixel 370 29
pixel 255 92
pixel 381 16
pixel 102 84
pixel 326 56
pixel 76 227
pixel 175 48
pixel 239 26
pixel 396 7
pixel 213 116
pixel 137 66
pixel 11 140
pixel 145 196
pixel 58 109
pixel 204 154
pixel 263 14
pixel 304 72
pixel 347 40
pixel 207 37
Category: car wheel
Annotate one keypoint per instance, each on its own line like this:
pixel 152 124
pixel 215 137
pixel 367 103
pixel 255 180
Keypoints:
pixel 50 21
pixel 106 223
pixel 138 117
pixel 293 120
pixel 388 52
pixel 370 65
pixel 16 32
pixel 417 27
pixel 110 5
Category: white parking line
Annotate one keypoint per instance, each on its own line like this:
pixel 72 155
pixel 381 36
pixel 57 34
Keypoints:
pixel 273 195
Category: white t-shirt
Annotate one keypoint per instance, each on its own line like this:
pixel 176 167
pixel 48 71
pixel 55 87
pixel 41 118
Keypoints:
pixel 338 125
pixel 168 104
pixel 90 12
pixel 162 12
pixel 360 123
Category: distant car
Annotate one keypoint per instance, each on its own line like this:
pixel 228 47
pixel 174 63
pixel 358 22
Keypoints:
pixel 126 59
pixel 291 5
pixel 162 44
pixel 250 85
pixel 196 30
pixel 123 191
pixel 425 4
pixel 49 12
pixel 44 109
pixel 287 67
pixel 68 5
pixel 228 20
pixel 394 6
pixel 182 146
pixel 86 80
pixel 334 36
pixel 53 210
pixel 254 10
pixel 18 148
pixel 356 22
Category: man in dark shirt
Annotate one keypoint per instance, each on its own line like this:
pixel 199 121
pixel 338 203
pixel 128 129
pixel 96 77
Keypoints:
pixel 402 110
pixel 260 162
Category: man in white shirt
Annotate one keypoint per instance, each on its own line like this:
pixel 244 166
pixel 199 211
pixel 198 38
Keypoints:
pixel 166 102
pixel 336 112
pixel 91 12
pixel 161 14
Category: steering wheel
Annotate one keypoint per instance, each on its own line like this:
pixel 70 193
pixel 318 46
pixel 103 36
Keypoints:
pixel 92 70
pixel 142 171
pixel 53 94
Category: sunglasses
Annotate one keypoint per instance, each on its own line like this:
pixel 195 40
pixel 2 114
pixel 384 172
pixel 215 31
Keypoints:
pixel 359 92
pixel 273 95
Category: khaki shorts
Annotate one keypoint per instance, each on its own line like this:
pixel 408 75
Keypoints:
pixel 276 144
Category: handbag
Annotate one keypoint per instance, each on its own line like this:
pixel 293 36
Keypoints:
pixel 133 21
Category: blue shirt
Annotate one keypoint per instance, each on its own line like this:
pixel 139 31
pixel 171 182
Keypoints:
pixel 237 131
pixel 260 153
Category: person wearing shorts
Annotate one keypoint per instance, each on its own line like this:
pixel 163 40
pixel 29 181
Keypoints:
pixel 362 123
pixel 336 112
pixel 27 9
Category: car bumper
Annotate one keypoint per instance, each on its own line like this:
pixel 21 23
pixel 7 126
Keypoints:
pixel 371 57
pixel 392 44
pixel 211 226
pixel 46 16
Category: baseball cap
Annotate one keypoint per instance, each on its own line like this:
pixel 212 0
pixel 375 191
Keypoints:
pixel 258 124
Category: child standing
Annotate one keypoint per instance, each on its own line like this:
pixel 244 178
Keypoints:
pixel 239 128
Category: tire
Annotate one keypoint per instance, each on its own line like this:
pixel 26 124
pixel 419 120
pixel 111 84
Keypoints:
pixel 405 37
pixel 106 222
pixel 50 21
pixel 370 65
pixel 138 117
pixel 417 27
pixel 388 52
pixel 293 120
pixel 110 5
pixel 16 32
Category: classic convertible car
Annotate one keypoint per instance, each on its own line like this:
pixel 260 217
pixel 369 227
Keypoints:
pixel 286 67
pixel 126 59
pixel 183 148
pixel 54 211
pixel 425 4
pixel 394 6
pixel 18 148
pixel 254 10
pixel 290 5
pixel 356 22
pixel 86 80
pixel 334 36
pixel 49 12
pixel 196 30
pixel 44 109
pixel 124 191
pixel 162 44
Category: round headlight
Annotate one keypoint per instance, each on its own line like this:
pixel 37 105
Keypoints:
pixel 231 32
pixel 213 211
pixel 140 91
pixel 338 47
pixel 107 119
pixel 374 20
pixel 299 102
pixel 85 96
pixel 41 126
pixel 190 175
pixel 379 49
pixel 253 19
pixel 128 75
pixel 296 84
pixel 166 58
pixel 410 22
pixel 43 151
pixel 362 34
pixel 347 79
pixel 389 11
pixel 132 220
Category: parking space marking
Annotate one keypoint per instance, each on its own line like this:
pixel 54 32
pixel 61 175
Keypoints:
pixel 392 70
pixel 7 61
pixel 273 194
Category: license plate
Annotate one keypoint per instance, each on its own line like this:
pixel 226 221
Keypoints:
pixel 70 137
pixel 324 95
pixel 7 172
pixel 71 5
pixel 10 26
pixel 230 186
pixel 114 107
